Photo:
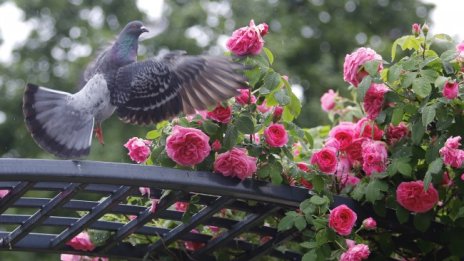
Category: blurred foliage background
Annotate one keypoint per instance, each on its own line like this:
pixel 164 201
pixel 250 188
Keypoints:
pixel 309 38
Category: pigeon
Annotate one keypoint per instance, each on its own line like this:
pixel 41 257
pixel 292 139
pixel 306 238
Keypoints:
pixel 140 92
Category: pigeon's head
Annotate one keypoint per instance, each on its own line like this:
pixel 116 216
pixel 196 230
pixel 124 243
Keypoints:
pixel 134 28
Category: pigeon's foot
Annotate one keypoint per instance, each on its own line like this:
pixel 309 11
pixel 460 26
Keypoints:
pixel 99 135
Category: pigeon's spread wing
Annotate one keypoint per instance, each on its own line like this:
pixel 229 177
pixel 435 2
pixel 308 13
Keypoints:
pixel 154 90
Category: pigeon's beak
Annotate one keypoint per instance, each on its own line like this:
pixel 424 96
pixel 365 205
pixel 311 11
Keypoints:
pixel 144 29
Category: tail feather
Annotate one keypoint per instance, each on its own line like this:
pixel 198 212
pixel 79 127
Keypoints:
pixel 56 125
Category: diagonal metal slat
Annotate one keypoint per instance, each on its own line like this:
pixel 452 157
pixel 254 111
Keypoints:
pixel 267 247
pixel 38 217
pixel 197 219
pixel 249 221
pixel 92 216
pixel 14 194
pixel 141 220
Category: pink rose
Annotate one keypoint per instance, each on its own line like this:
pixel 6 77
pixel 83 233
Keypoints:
pixel 354 151
pixel 451 155
pixel 278 110
pixel 263 108
pixel 328 100
pixel 368 129
pixel 450 90
pixel 216 146
pixel 344 134
pixel 193 245
pixel 353 71
pixel 154 205
pixel 247 40
pixel 276 135
pixel 81 242
pixel 304 167
pixel 356 253
pixel 342 220
pixel 416 28
pixel 446 181
pixel 181 206
pixel 325 159
pixel 70 257
pixel 374 99
pixel 139 149
pixel 144 191
pixel 369 223
pixel 374 155
pixel 235 163
pixel 245 97
pixel 460 49
pixel 4 192
pixel 396 133
pixel 187 146
pixel 220 114
pixel 411 196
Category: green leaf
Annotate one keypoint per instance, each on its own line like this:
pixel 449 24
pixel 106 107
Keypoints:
pixel 440 81
pixel 317 200
pixel 444 37
pixel 407 79
pixel 153 134
pixel 448 55
pixel 363 87
pixel 300 223
pixel 402 214
pixel 359 191
pixel 310 244
pixel 231 136
pixel 429 75
pixel 394 73
pixel 404 168
pixel 434 168
pixel 276 173
pixel 318 183
pixel 397 115
pixel 428 114
pixel 270 56
pixel 253 75
pixel 372 67
pixel 271 80
pixel 286 223
pixel 417 132
pixel 421 87
pixel 210 127
pixel 282 97
pixel 422 221
pixel 310 256
pixel 374 190
pixel 245 124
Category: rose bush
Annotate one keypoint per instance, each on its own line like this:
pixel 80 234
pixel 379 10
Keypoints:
pixel 394 148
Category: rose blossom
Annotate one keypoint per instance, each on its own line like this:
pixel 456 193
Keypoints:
pixel 220 114
pixel 396 133
pixel 304 167
pixel 352 71
pixel 328 100
pixel 245 97
pixel 216 145
pixel 411 196
pixel 451 155
pixel 344 134
pixel 247 40
pixel 354 151
pixel 369 223
pixel 154 205
pixel 81 242
pixel 374 99
pixel 235 163
pixel 181 206
pixel 460 50
pixel 342 219
pixel 278 110
pixel 356 253
pixel 276 135
pixel 446 181
pixel 4 192
pixel 144 191
pixel 416 29
pixel 193 245
pixel 374 155
pixel 364 129
pixel 450 90
pixel 325 159
pixel 187 146
pixel 70 257
pixel 263 108
pixel 139 149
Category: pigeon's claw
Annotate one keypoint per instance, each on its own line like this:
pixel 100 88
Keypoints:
pixel 99 134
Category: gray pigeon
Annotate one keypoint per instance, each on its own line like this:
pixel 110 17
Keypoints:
pixel 143 92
